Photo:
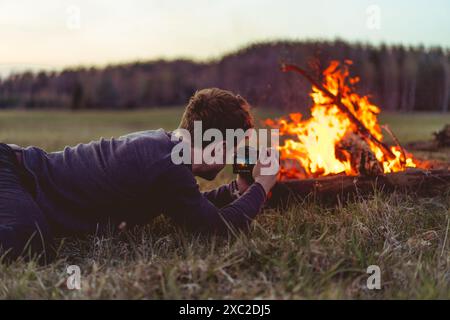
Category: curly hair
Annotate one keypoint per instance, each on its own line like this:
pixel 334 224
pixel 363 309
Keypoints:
pixel 217 108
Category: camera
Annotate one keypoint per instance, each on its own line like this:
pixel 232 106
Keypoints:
pixel 244 161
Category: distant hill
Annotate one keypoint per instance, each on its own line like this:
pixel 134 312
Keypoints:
pixel 397 77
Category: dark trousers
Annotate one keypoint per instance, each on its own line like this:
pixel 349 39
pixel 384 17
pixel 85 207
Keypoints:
pixel 23 229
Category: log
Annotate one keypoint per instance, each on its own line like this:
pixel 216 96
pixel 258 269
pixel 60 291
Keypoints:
pixel 331 189
pixel 431 146
pixel 365 133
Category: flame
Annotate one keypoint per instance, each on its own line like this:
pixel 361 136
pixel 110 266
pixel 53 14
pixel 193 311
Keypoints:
pixel 312 147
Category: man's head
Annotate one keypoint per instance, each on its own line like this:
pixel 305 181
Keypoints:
pixel 216 109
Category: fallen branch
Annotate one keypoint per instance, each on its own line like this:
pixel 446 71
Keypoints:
pixel 332 188
pixel 397 142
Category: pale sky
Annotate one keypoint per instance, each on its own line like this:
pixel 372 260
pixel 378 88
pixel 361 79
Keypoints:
pixel 51 34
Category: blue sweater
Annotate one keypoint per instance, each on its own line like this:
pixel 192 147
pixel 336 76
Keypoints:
pixel 132 179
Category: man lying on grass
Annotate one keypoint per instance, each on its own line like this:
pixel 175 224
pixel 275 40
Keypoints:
pixel 103 184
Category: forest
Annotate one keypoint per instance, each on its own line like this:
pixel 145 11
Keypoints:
pixel 397 78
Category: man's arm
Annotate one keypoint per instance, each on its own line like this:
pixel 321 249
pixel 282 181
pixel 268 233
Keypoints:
pixel 223 195
pixel 189 207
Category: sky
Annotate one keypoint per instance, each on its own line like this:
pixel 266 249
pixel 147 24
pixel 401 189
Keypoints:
pixel 52 34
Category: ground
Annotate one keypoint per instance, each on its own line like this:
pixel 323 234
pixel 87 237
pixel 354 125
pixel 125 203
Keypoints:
pixel 305 251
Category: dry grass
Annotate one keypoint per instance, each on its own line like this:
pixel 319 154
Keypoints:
pixel 306 251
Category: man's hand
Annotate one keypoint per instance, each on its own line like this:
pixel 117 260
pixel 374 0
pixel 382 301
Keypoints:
pixel 266 169
pixel 242 184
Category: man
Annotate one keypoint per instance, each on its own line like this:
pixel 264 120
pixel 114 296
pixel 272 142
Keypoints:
pixel 106 183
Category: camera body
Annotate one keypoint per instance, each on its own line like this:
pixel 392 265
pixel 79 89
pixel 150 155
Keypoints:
pixel 244 162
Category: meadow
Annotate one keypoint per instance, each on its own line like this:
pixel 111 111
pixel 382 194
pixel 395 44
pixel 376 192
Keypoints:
pixel 306 251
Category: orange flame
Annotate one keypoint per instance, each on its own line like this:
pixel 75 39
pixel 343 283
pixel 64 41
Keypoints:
pixel 311 147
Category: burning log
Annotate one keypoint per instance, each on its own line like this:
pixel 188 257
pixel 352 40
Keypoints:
pixel 342 135
pixel 362 156
pixel 331 188
pixel 339 151
pixel 337 100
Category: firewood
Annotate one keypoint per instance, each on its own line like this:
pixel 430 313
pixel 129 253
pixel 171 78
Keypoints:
pixel 362 156
pixel 365 133
pixel 442 137
pixel 332 188
pixel 431 146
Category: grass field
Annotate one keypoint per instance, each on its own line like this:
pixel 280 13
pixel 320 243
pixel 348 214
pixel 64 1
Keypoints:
pixel 306 251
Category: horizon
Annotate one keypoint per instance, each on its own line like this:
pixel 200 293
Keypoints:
pixel 35 68
pixel 57 35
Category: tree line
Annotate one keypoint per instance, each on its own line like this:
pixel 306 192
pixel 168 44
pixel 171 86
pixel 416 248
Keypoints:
pixel 401 78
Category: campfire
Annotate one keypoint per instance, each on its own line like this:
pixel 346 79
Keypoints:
pixel 342 136
pixel 340 150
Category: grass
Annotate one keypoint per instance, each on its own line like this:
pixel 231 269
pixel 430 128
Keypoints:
pixel 415 126
pixel 305 251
